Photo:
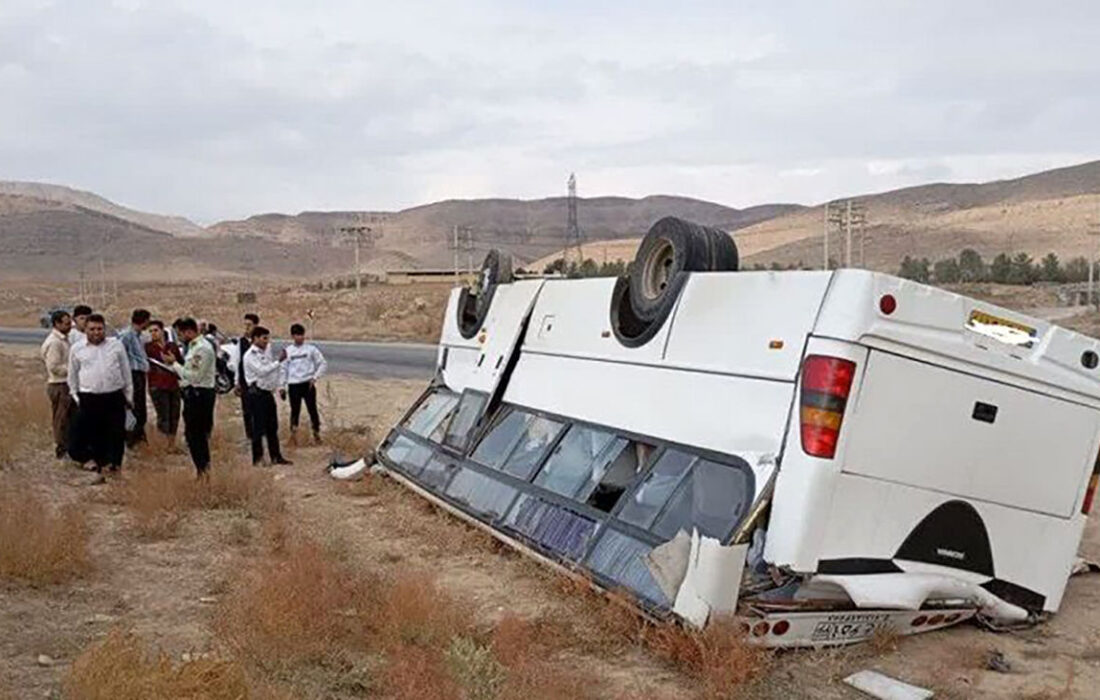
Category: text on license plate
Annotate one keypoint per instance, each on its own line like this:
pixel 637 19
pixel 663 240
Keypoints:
pixel 848 626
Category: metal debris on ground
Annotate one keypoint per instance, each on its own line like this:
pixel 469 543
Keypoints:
pixel 996 661
pixel 881 686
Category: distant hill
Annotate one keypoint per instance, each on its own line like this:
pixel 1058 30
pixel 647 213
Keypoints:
pixel 1039 213
pixel 79 199
pixel 527 229
pixel 50 231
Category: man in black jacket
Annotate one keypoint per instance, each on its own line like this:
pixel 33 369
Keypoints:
pixel 243 343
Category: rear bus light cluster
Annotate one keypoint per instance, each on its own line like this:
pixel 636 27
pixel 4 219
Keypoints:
pixel 826 383
pixel 762 627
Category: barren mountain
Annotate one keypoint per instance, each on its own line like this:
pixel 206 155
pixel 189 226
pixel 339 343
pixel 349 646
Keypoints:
pixel 528 229
pixel 41 225
pixel 1047 211
pixel 78 199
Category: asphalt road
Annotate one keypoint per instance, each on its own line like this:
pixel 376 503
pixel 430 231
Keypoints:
pixel 396 360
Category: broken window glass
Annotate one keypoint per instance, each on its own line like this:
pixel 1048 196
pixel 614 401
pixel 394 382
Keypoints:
pixel 481 493
pixel 409 455
pixel 429 418
pixel 437 472
pixel 552 527
pixel 570 467
pixel 648 499
pixel 592 466
pixel 517 443
pixel 713 498
pixel 465 417
pixel 622 559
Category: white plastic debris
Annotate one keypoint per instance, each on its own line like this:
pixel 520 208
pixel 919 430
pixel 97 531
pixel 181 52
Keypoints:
pixel 884 687
pixel 908 591
pixel 348 472
pixel 699 574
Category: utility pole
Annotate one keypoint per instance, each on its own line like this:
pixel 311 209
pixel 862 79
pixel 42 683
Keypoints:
pixel 357 233
pixel 454 230
pixel 848 235
pixel 825 237
pixel 573 237
pixel 1094 230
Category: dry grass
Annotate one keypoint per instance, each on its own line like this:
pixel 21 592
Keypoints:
pixel 160 499
pixel 40 544
pixel 24 411
pixel 719 657
pixel 121 668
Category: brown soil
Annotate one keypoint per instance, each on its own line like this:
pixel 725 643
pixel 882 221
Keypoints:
pixel 169 590
pixel 379 312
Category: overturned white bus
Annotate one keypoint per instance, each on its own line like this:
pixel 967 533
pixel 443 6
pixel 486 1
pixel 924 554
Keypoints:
pixel 824 454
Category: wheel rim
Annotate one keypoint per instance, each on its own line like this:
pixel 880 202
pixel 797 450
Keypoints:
pixel 658 269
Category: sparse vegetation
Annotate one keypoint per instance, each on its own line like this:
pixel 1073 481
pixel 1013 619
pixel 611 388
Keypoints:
pixel 160 498
pixel 121 668
pixel 40 543
pixel 1005 268
pixel 25 412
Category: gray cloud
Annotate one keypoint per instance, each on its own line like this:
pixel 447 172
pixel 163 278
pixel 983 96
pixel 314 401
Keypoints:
pixel 214 109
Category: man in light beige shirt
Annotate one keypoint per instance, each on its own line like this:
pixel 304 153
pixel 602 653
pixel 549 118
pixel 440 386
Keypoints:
pixel 55 355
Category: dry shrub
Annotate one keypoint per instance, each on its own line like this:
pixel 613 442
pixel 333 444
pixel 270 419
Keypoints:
pixel 411 610
pixel 297 607
pixel 720 657
pixel 524 650
pixel 25 413
pixel 120 668
pixel 420 674
pixel 160 499
pixel 40 544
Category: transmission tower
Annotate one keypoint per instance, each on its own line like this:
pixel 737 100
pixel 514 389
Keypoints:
pixel 844 216
pixel 573 237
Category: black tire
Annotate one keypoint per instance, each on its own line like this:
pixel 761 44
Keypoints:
pixel 473 305
pixel 673 246
pixel 631 331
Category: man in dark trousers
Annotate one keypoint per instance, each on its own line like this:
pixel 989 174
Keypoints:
pixel 243 343
pixel 264 377
pixel 197 375
pixel 164 385
pixel 303 367
pixel 102 385
pixel 134 342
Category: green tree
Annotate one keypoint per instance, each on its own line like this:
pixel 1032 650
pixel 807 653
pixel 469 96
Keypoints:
pixel 1076 270
pixel 946 271
pixel 1051 269
pixel 556 266
pixel 971 266
pixel 1023 270
pixel 916 269
pixel 1000 270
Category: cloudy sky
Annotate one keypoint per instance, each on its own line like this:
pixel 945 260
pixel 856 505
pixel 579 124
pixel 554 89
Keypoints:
pixel 216 109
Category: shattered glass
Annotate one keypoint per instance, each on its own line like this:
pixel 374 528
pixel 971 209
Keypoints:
pixel 552 527
pixel 622 559
pixel 465 417
pixel 481 493
pixel 517 443
pixel 648 499
pixel 409 455
pixel 571 466
pixel 437 472
pixel 713 498
pixel 429 418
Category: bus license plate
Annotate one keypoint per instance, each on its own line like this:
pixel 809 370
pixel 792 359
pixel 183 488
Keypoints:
pixel 849 627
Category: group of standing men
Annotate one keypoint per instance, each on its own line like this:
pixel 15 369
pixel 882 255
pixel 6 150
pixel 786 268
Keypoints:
pixel 98 385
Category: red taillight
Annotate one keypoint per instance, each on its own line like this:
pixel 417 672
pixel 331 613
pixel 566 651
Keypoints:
pixel 826 382
pixel 1090 492
pixel 760 629
pixel 780 628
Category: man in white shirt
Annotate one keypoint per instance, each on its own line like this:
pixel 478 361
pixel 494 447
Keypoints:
pixel 101 383
pixel 304 365
pixel 81 312
pixel 55 355
pixel 263 377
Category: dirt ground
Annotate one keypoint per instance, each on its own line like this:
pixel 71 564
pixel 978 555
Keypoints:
pixel 379 312
pixel 169 590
